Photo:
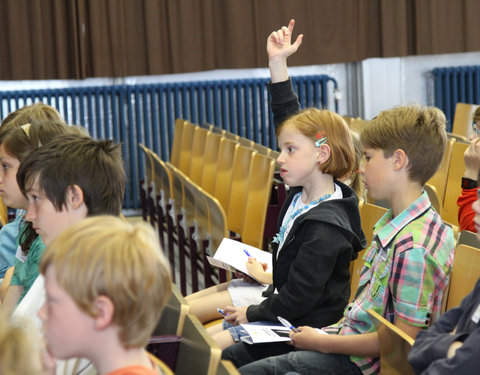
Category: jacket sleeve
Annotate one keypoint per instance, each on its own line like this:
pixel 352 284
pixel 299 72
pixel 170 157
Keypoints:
pixel 284 101
pixel 429 352
pixel 465 211
pixel 307 276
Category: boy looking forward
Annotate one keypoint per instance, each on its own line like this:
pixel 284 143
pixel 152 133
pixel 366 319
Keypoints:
pixel 106 283
pixel 408 263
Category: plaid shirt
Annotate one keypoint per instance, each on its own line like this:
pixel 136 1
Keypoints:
pixel 406 271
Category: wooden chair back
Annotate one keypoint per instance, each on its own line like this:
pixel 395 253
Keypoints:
pixel 218 227
pixel 229 135
pixel 462 122
pixel 394 347
pixel 468 238
pixel 198 155
pixel 223 181
pixel 258 194
pixel 465 273
pixel 245 142
pixel 242 167
pixel 261 149
pixel 177 142
pixel 188 134
pixel 453 188
pixel 439 179
pixel 173 316
pixel 434 198
pixel 197 353
pixel 210 162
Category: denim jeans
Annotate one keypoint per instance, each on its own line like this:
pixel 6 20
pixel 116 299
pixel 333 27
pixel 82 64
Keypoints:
pixel 304 362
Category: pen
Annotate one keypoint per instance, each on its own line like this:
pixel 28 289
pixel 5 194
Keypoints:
pixel 246 252
pixel 221 311
pixel 287 324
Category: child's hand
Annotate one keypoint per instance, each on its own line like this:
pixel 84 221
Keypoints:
pixel 279 43
pixel 236 315
pixel 245 277
pixel 307 338
pixel 257 270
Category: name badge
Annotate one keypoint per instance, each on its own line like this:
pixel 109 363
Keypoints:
pixel 476 315
pixel 20 255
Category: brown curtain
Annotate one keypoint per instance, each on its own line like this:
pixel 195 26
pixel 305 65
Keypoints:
pixel 45 39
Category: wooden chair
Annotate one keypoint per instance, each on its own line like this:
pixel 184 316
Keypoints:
pixel 369 215
pixel 439 179
pixel 223 182
pixel 147 190
pixel 465 273
pixel 217 130
pixel 453 189
pixel 358 124
pixel 3 213
pixel 261 149
pixel 198 155
pixel 245 142
pixel 258 194
pixel 210 162
pixel 394 346
pixel 188 134
pixel 242 167
pixel 468 238
pixel 229 135
pixel 177 142
pixel 457 137
pixel 173 316
pixel 462 122
pixel 434 199
pixel 197 353
pixel 165 369
pixel 227 368
pixel 5 283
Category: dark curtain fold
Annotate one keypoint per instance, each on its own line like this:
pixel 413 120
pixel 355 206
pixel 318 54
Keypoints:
pixel 48 39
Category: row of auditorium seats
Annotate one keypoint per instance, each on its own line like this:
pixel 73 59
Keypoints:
pixel 181 342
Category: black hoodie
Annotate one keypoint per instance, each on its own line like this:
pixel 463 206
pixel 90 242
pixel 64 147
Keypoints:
pixel 311 273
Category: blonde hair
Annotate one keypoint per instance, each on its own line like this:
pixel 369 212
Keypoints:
pixel 310 122
pixel 355 180
pixel 20 347
pixel 107 256
pixel 418 131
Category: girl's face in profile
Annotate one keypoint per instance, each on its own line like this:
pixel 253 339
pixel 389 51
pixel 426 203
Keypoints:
pixel 9 190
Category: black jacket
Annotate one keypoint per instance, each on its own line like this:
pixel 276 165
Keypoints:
pixel 311 273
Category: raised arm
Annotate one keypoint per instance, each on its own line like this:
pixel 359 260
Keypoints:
pixel 279 48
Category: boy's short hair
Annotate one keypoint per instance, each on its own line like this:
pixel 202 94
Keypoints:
pixel 96 166
pixel 27 114
pixel 419 131
pixel 107 256
pixel 310 122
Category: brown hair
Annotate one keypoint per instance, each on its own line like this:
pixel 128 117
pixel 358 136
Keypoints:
pixel 107 256
pixel 419 131
pixel 96 166
pixel 476 115
pixel 27 114
pixel 310 122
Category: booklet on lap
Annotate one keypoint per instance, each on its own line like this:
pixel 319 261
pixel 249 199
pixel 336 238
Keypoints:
pixel 232 255
pixel 272 332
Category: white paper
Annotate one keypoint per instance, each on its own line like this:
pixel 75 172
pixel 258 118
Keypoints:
pixel 231 256
pixel 265 333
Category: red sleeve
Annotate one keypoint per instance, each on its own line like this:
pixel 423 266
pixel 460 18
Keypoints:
pixel 465 211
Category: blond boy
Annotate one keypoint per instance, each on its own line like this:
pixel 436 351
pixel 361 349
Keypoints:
pixel 106 283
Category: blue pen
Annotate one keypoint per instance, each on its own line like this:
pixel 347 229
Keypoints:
pixel 221 311
pixel 246 252
pixel 287 324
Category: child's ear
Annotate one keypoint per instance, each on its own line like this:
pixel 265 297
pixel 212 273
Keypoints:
pixel 74 196
pixel 400 159
pixel 105 310
pixel 323 154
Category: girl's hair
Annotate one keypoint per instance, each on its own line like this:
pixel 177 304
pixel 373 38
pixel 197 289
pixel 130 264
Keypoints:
pixel 27 114
pixel 19 142
pixel 314 123
pixel 355 179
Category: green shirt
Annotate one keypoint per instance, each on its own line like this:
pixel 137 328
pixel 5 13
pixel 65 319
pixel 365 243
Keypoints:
pixel 27 270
